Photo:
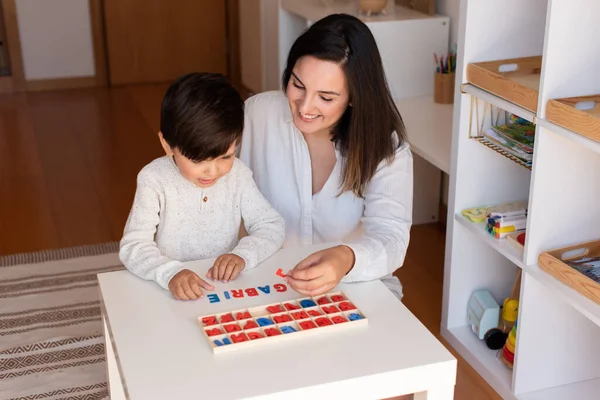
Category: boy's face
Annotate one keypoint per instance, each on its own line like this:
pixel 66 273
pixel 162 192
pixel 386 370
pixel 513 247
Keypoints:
pixel 205 173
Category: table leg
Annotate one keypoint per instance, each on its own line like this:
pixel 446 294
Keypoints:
pixel 437 393
pixel 427 192
pixel 115 386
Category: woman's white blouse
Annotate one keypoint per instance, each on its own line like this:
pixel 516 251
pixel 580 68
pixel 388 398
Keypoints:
pixel 376 228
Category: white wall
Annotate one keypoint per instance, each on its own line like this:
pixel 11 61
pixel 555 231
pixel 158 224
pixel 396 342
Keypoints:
pixel 450 8
pixel 56 38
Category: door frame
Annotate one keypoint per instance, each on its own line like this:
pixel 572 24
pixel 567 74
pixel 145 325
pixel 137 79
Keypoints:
pixel 16 81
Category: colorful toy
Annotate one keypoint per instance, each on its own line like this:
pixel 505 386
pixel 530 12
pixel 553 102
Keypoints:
pixel 510 309
pixel 289 319
pixel 507 354
pixel 483 313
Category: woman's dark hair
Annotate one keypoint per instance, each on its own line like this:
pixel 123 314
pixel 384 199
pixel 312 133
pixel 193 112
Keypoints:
pixel 364 133
pixel 202 115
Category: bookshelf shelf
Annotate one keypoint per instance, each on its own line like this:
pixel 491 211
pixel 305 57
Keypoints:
pixel 513 254
pixel 499 149
pixel 561 190
pixel 582 304
pixel 569 135
pixel 483 359
pixel 578 390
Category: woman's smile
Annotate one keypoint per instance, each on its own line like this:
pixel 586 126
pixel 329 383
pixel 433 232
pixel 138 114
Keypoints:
pixel 308 117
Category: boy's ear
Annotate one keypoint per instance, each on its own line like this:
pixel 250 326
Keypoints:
pixel 165 145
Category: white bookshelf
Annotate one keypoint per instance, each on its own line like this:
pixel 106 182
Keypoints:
pixel 557 354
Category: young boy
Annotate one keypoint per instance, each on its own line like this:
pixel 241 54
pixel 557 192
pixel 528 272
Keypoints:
pixel 189 204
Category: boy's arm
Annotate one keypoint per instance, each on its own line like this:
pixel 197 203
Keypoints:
pixel 138 250
pixel 265 227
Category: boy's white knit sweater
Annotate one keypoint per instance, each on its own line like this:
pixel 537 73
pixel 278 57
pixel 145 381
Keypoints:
pixel 172 221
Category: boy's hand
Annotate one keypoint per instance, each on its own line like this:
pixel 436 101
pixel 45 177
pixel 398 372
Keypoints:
pixel 226 268
pixel 186 285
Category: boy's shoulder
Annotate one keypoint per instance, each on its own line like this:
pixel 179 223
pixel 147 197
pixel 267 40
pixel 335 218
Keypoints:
pixel 157 169
pixel 241 170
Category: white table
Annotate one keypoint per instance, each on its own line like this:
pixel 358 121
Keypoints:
pixel 429 129
pixel 156 348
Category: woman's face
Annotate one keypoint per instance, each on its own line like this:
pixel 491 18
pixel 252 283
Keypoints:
pixel 318 95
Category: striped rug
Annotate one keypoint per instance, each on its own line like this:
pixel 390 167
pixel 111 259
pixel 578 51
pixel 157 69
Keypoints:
pixel 51 341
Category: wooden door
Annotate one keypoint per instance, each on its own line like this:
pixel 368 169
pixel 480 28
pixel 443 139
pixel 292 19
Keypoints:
pixel 158 40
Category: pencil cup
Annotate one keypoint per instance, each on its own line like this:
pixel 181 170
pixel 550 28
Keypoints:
pixel 444 88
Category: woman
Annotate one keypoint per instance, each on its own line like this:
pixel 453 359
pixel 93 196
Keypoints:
pixel 330 154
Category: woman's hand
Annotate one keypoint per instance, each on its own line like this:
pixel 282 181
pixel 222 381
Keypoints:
pixel 187 285
pixel 321 271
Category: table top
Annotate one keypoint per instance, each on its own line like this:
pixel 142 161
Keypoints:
pixel 163 353
pixel 429 129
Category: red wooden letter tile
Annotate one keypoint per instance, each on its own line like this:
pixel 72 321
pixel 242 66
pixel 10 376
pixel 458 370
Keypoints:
pixel 280 273
pixel 212 320
pixel 282 318
pixel 272 332
pixel 338 320
pixel 323 321
pixel 240 337
pixel 213 332
pixel 307 325
pixel 331 309
pixel 347 306
pixel 274 309
pixel 280 287
pixel 291 306
pixel 300 315
pixel 226 318
pixel 254 335
pixel 232 328
pixel 242 315
pixel 250 325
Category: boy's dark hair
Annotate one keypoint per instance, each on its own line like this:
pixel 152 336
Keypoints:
pixel 202 115
pixel 364 134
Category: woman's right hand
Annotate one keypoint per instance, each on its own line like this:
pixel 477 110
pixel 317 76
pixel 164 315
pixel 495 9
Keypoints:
pixel 321 271
pixel 187 285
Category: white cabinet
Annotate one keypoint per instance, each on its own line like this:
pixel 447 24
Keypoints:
pixel 557 353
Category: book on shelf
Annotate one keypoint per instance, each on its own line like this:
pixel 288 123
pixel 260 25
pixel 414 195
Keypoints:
pixel 517 138
pixel 588 266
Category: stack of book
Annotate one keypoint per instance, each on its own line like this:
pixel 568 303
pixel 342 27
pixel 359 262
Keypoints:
pixel 516 138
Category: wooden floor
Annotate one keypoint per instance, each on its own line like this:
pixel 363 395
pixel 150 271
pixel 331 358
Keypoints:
pixel 68 165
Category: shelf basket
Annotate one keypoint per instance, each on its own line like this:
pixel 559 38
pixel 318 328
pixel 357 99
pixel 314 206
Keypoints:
pixel 579 270
pixel 496 116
